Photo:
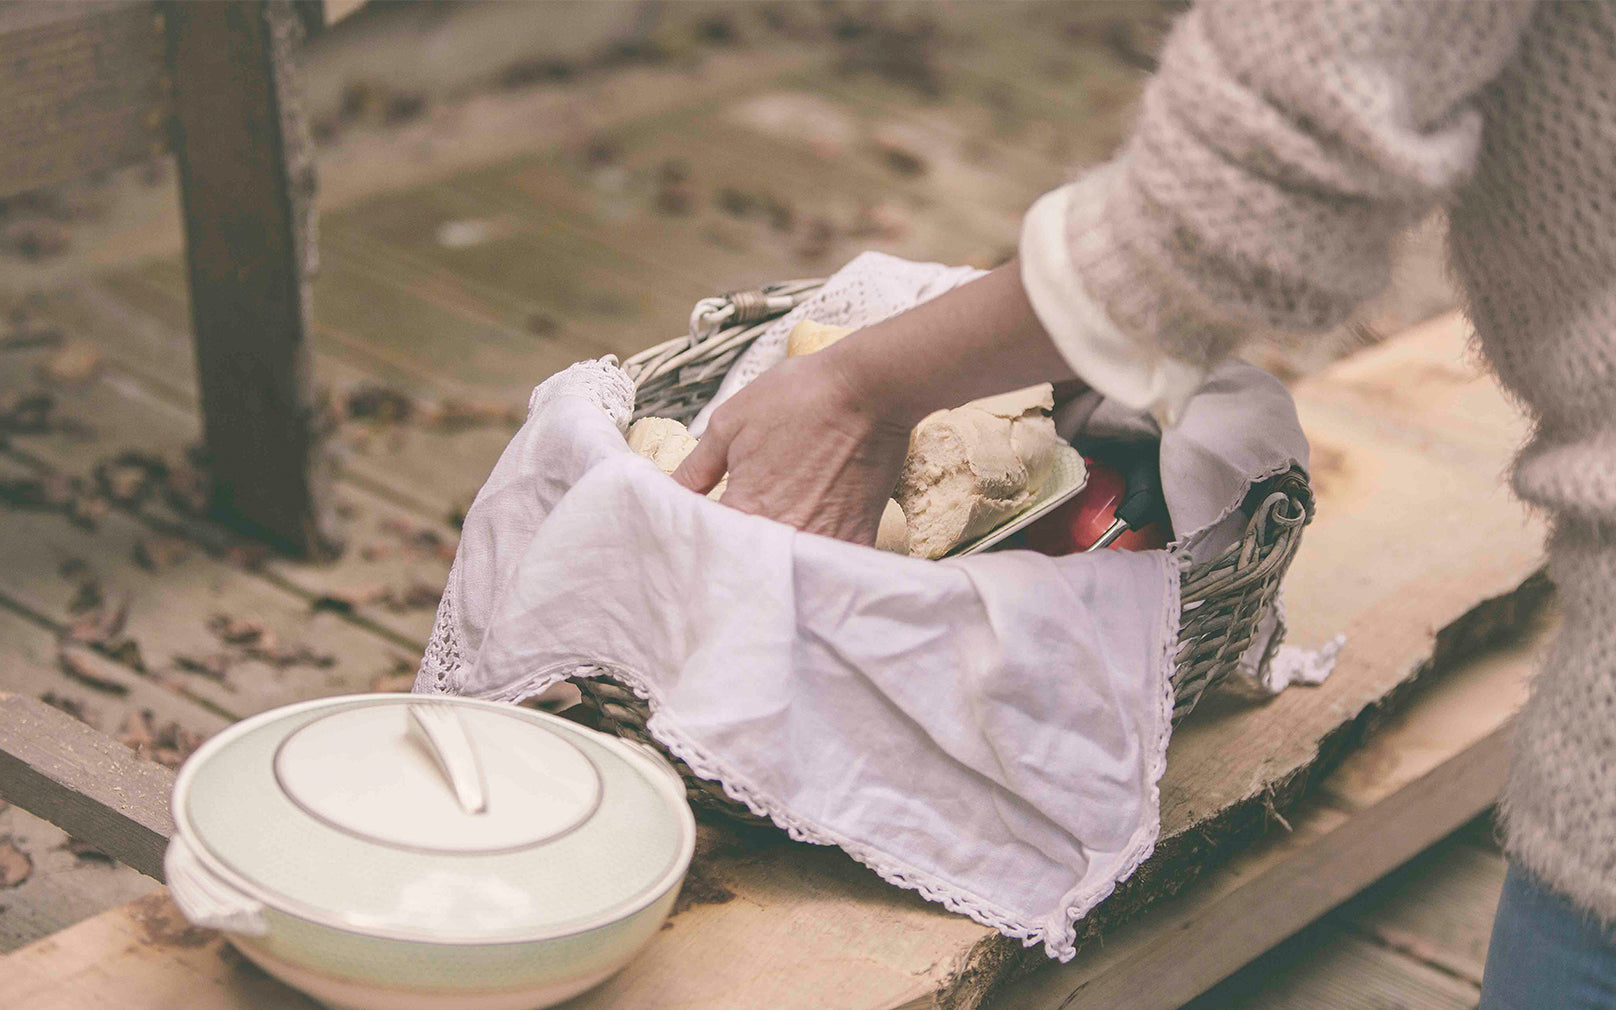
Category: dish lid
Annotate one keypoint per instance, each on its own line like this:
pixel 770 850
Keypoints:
pixel 435 819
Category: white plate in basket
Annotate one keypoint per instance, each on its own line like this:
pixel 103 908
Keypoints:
pixel 1066 479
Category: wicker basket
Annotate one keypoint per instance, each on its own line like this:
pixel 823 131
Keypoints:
pixel 1222 601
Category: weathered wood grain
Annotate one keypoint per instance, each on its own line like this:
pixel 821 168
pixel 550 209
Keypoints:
pixel 117 412
pixel 1343 973
pixel 247 194
pixel 84 782
pixel 64 888
pixel 84 87
pixel 1439 909
pixel 170 612
pixel 1428 764
pixel 1426 770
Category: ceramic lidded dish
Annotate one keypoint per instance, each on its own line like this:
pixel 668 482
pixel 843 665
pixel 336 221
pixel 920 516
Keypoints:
pixel 399 851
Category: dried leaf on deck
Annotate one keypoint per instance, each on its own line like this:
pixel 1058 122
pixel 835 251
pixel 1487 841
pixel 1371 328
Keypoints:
pixel 400 678
pixel 101 624
pixel 241 630
pixel 72 706
pixel 73 365
pixel 422 541
pixel 379 403
pixel 30 338
pixel 188 488
pixel 159 552
pixel 80 666
pixel 27 413
pixel 86 597
pixel 16 865
pixel 213 666
pixel 453 416
pixel 129 478
pixel 85 852
pixel 298 654
pixel 250 557
pixel 169 745
pixel 416 595
pixel 52 493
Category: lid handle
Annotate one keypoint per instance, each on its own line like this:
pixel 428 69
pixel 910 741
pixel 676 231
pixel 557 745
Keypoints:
pixel 438 728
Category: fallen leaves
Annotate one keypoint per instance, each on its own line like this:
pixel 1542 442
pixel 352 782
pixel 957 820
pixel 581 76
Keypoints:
pixel 418 541
pixel 30 413
pixel 75 364
pixel 413 595
pixel 168 744
pixel 27 337
pixel 251 639
pixel 159 552
pixel 130 478
pixel 16 865
pixel 385 405
pixel 100 627
pixel 400 678
pixel 54 493
pixel 72 706
pixel 84 852
pixel 82 667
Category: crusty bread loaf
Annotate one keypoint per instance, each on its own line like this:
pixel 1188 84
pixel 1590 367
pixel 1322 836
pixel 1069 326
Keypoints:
pixel 973 466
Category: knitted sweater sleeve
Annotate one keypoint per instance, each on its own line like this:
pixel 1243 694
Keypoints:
pixel 1279 149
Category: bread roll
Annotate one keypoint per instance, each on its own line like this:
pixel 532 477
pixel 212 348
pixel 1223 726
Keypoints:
pixel 973 466
pixel 808 336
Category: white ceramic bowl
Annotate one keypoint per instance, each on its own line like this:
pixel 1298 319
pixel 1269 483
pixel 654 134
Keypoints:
pixel 399 852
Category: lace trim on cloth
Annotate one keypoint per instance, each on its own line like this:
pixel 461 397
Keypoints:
pixel 599 380
pixel 446 661
pixel 1060 945
pixel 443 665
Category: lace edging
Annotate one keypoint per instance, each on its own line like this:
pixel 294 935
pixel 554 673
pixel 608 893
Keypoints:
pixel 1078 903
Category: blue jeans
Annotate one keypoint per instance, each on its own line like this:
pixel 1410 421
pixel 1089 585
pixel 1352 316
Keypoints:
pixel 1546 954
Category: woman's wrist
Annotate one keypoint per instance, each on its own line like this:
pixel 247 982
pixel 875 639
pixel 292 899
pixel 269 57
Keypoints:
pixel 861 368
pixel 978 340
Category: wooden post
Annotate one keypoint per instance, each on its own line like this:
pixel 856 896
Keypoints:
pixel 247 182
pixel 85 783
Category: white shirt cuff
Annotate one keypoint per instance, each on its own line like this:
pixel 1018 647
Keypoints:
pixel 1121 367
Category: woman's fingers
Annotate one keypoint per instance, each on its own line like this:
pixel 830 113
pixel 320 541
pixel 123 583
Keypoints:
pixel 704 467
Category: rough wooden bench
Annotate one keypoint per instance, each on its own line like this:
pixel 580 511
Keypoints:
pixel 1409 444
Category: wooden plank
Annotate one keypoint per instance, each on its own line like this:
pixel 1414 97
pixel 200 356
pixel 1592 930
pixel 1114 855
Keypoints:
pixel 1426 771
pixel 775 901
pixel 1342 973
pixel 85 90
pixel 139 955
pixel 85 782
pixel 63 887
pixel 247 191
pixel 1438 909
pixel 31 655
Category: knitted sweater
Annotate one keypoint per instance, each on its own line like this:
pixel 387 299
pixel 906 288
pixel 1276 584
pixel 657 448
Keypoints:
pixel 1278 152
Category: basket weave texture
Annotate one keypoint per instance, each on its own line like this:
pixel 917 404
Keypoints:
pixel 1222 601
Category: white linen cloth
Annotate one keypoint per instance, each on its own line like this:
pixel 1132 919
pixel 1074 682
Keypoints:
pixel 988 731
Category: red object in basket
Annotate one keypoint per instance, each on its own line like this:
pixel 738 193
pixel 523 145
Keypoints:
pixel 1077 523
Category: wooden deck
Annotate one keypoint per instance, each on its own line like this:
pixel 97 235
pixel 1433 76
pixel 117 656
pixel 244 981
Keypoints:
pixel 449 288
pixel 1415 941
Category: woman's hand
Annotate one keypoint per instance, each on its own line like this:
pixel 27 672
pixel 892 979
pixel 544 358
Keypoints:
pixel 817 441
pixel 803 444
